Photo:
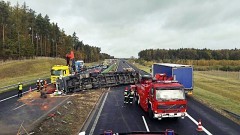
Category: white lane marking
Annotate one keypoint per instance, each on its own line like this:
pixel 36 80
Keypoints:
pixel 145 124
pixel 130 66
pixel 15 96
pixel 98 115
pixel 50 110
pixel 194 121
pixel 19 107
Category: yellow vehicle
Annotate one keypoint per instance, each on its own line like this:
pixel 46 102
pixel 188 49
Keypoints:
pixel 57 71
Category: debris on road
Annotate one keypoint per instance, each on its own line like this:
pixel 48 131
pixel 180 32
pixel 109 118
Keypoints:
pixel 69 117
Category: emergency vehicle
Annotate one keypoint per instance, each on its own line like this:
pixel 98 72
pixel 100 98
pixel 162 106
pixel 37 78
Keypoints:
pixel 161 97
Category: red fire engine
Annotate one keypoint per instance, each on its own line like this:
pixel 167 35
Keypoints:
pixel 161 97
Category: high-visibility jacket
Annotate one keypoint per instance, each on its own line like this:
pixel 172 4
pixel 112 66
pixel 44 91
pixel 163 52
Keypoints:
pixel 20 86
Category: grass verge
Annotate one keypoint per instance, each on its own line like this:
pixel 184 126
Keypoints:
pixel 13 72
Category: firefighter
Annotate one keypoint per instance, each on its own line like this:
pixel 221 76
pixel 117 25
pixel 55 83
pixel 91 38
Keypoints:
pixel 38 84
pixel 41 84
pixel 126 95
pixel 20 87
pixel 45 84
pixel 131 95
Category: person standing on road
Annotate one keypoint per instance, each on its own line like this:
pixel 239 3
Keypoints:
pixel 126 95
pixel 131 95
pixel 38 84
pixel 20 87
pixel 45 84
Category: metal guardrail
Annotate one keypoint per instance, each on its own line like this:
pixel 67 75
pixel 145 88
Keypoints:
pixel 16 85
pixel 233 114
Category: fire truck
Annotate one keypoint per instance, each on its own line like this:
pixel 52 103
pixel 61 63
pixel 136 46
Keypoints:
pixel 161 97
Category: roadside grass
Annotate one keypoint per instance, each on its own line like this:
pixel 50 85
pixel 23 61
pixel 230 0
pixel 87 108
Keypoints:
pixel 13 72
pixel 217 89
pixel 144 68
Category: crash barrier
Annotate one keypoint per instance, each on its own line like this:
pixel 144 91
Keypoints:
pixel 16 85
pixel 80 82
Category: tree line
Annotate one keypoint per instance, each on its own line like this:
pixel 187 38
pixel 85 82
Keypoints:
pixel 25 34
pixel 189 54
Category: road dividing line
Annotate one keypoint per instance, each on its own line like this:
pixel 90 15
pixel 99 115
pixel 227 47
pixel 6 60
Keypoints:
pixel 14 96
pixel 145 124
pixel 19 107
pixel 98 115
pixel 44 115
pixel 194 121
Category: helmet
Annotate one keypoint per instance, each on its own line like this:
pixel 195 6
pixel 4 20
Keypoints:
pixel 18 82
pixel 37 80
pixel 126 88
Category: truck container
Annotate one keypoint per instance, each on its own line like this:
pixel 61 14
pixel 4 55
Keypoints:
pixel 181 73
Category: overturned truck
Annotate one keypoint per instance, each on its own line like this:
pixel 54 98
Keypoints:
pixel 84 81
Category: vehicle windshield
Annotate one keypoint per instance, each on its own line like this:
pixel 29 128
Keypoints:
pixel 56 72
pixel 170 94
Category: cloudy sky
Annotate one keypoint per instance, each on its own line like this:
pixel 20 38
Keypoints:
pixel 122 28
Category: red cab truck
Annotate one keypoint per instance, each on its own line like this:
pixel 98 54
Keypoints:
pixel 161 97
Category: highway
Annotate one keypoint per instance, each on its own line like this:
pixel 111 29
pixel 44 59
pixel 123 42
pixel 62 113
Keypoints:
pixel 112 114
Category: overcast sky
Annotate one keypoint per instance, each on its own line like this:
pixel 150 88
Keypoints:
pixel 122 28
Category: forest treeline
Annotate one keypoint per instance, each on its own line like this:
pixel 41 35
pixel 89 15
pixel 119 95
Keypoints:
pixel 25 34
pixel 189 54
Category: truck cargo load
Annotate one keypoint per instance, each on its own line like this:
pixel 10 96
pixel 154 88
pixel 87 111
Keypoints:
pixel 181 73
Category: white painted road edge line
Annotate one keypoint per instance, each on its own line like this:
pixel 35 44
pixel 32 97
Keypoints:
pixel 14 96
pixel 145 124
pixel 19 107
pixel 98 115
pixel 194 121
pixel 50 111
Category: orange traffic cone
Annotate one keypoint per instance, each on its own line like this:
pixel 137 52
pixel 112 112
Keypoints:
pixel 199 128
pixel 30 89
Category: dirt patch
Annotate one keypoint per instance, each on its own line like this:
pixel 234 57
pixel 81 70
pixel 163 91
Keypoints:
pixel 68 118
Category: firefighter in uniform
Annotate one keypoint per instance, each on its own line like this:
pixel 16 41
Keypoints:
pixel 38 84
pixel 41 84
pixel 45 84
pixel 126 95
pixel 20 87
pixel 131 95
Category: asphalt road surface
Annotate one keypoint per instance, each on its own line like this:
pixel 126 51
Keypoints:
pixel 112 114
pixel 14 112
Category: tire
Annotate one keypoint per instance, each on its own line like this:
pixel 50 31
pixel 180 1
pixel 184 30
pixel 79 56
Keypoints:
pixel 136 99
pixel 150 112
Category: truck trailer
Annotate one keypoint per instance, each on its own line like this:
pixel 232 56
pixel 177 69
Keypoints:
pixel 181 73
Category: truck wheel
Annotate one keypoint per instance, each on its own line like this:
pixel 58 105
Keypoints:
pixel 136 99
pixel 150 113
